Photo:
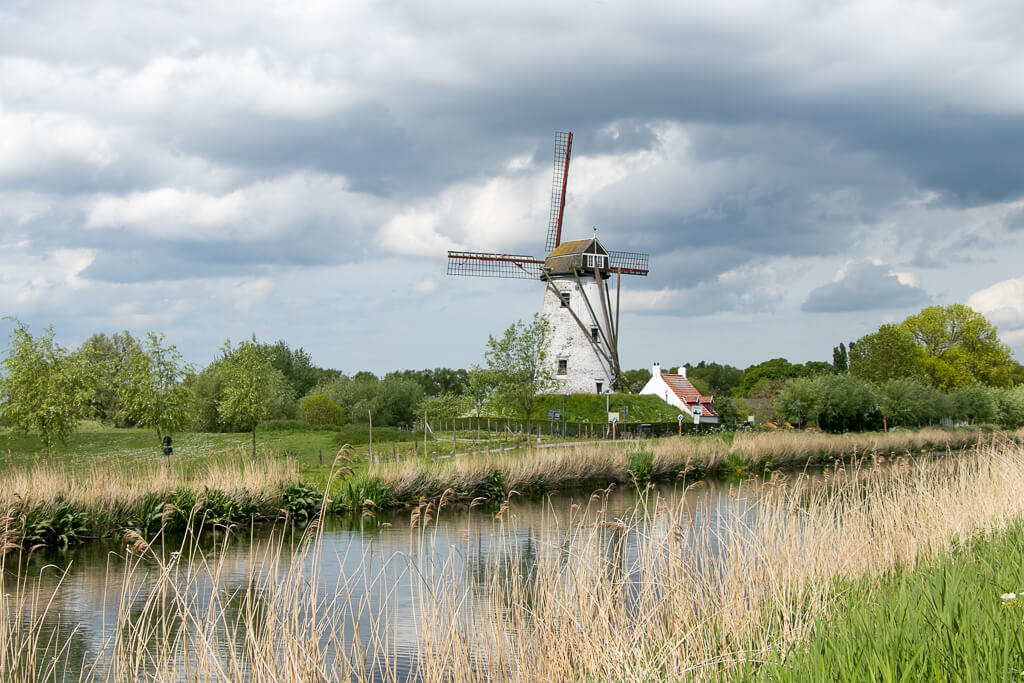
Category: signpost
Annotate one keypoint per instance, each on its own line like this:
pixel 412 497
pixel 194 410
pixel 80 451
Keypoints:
pixel 680 418
pixel 614 421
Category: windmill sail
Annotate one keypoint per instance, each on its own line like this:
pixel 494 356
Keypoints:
pixel 482 264
pixel 559 180
pixel 628 262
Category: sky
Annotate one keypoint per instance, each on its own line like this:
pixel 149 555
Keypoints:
pixel 799 172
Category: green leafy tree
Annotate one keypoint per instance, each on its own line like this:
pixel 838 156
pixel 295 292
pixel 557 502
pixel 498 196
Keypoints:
pixel 960 347
pixel 975 403
pixel 207 389
pixel 296 366
pixel 721 379
pixel 444 407
pixel 908 402
pixel 889 353
pixel 150 389
pixel 480 384
pixel 846 404
pixel 636 379
pixel 519 359
pixel 317 410
pixel 392 401
pixel 43 388
pixel 806 390
pixel 774 369
pixel 105 356
pixel 1010 403
pixel 247 393
pixel 840 359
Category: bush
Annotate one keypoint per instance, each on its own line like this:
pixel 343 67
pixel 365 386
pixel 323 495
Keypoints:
pixel 319 411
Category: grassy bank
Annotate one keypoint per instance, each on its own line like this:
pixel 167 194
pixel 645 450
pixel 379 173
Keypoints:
pixel 957 618
pixel 539 470
pixel 48 504
pixel 646 596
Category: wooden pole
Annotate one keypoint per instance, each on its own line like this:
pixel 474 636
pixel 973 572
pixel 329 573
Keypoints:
pixel 370 451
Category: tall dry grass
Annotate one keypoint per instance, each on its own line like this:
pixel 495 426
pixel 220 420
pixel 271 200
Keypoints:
pixel 672 591
pixel 107 495
pixel 553 468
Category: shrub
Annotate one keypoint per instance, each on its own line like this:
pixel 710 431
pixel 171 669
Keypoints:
pixel 319 411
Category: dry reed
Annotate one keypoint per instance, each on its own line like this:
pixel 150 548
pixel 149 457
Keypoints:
pixel 653 595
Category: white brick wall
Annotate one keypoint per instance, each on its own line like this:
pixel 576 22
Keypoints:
pixel 584 366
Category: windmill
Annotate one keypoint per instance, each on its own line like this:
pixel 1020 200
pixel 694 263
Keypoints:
pixel 584 338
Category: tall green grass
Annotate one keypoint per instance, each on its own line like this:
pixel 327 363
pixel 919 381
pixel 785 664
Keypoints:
pixel 958 618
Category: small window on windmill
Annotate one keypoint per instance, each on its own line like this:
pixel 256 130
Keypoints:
pixel 600 386
pixel 595 333
pixel 595 261
pixel 563 366
pixel 565 299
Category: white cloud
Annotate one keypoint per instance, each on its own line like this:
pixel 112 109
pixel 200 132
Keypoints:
pixel 28 279
pixel 260 211
pixel 33 143
pixel 1002 303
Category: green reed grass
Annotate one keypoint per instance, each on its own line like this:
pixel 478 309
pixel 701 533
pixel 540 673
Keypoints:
pixel 958 617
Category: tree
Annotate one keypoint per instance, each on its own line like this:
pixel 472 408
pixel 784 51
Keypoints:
pixel 975 403
pixel 295 365
pixel 960 347
pixel 317 410
pixel 150 389
pixel 444 407
pixel 519 359
pixel 907 402
pixel 479 385
pixel 889 353
pixel 721 379
pixel 43 388
pixel 105 357
pixel 846 403
pixel 798 402
pixel 840 359
pixel 1011 407
pixel 635 380
pixel 246 397
pixel 392 401
pixel 774 369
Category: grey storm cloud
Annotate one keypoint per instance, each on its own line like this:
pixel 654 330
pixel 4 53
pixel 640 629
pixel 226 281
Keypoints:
pixel 864 286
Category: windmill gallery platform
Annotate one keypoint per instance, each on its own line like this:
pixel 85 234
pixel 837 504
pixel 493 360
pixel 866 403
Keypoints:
pixel 583 344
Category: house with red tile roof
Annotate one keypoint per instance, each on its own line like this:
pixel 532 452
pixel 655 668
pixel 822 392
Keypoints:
pixel 678 391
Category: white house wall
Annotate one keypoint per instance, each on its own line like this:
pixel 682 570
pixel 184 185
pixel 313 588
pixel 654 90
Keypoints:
pixel 656 386
pixel 585 368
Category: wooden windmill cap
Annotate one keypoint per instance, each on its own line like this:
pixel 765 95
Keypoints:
pixel 570 256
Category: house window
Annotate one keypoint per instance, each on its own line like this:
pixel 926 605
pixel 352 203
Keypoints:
pixel 565 299
pixel 563 366
pixel 595 333
pixel 600 386
pixel 595 261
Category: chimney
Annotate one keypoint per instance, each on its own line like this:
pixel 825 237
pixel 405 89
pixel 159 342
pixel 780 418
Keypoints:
pixel 656 370
pixel 682 371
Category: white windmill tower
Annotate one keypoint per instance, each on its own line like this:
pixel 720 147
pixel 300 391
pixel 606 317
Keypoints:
pixel 584 317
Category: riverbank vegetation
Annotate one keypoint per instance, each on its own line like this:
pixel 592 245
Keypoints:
pixel 645 596
pixel 536 471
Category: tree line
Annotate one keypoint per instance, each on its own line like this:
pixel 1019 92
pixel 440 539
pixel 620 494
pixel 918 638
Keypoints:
pixel 945 361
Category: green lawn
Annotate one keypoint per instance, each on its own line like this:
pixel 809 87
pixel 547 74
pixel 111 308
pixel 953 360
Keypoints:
pixel 313 449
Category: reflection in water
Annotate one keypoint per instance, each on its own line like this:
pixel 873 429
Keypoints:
pixel 194 608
